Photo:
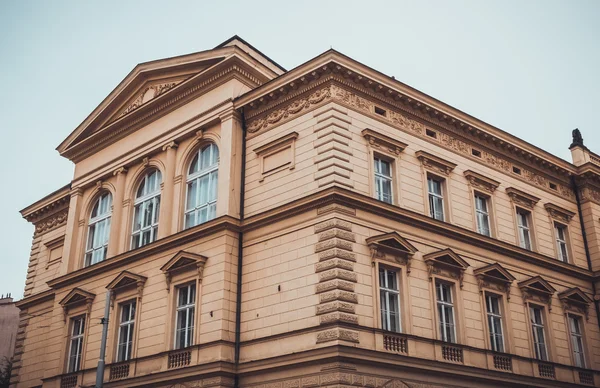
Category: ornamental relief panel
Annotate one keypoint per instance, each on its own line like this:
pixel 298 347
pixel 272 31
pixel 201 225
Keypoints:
pixel 334 92
pixel 52 222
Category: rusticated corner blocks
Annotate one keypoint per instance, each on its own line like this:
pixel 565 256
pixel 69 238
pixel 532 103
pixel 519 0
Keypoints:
pixel 337 299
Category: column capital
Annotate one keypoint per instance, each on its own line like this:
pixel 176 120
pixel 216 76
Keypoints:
pixel 170 145
pixel 76 192
pixel 230 114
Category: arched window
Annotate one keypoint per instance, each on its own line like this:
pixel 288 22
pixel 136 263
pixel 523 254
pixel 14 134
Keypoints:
pixel 201 202
pixel 146 208
pixel 98 230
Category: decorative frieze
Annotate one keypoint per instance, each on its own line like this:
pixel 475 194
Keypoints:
pixel 52 222
pixel 348 97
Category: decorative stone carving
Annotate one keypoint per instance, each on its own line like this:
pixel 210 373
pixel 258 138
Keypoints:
pixel 381 141
pixel 447 263
pixel 574 299
pixel 481 182
pixel 522 198
pixel 52 222
pixel 148 94
pixel 494 276
pixel 393 247
pixel 181 262
pixel 538 290
pixel 435 163
pixel 559 213
pixel 76 297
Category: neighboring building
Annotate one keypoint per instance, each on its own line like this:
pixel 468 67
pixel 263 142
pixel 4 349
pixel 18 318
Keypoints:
pixel 9 323
pixel 387 239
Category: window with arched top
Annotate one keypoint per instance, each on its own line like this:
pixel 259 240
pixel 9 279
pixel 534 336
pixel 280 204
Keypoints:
pixel 201 200
pixel 146 209
pixel 98 230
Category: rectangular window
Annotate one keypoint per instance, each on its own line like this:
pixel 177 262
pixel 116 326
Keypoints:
pixel 390 300
pixel 436 198
pixel 186 307
pixel 76 344
pixel 482 215
pixel 577 340
pixel 383 180
pixel 126 326
pixel 537 328
pixel 494 317
pixel 560 232
pixel 445 312
pixel 524 229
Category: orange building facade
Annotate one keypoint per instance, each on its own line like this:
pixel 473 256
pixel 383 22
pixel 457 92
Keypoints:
pixel 254 227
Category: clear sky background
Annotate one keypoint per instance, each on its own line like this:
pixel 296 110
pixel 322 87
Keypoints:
pixel 531 68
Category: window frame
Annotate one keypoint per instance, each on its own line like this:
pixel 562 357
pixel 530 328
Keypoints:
pixel 196 177
pixel 177 308
pixel 397 292
pixel 501 317
pixel 442 196
pixel 534 340
pixel 445 304
pixel 155 198
pixel 566 241
pixel 382 177
pixel 105 218
pixel 488 213
pixel 131 324
pixel 80 337
pixel 581 336
pixel 528 216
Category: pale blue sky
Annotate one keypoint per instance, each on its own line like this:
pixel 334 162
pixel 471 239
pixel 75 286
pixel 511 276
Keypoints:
pixel 527 67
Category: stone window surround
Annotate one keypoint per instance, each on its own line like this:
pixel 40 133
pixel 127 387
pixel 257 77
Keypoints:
pixel 388 149
pixel 177 275
pixel 132 291
pixel 485 187
pixel 522 200
pixel 80 307
pixel 436 167
pixel 563 217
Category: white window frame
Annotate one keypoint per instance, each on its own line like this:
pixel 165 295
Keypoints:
pixel 537 345
pixel 77 340
pixel 143 202
pixel 524 229
pixel 190 309
pixel 380 178
pixel 93 225
pixel 491 316
pixel 577 340
pixel 483 214
pixel 442 306
pixel 432 196
pixel 561 242
pixel 130 325
pixel 386 295
pixel 197 177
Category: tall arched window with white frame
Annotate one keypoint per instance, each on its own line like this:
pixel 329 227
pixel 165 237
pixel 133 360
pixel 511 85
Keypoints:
pixel 146 209
pixel 201 200
pixel 98 230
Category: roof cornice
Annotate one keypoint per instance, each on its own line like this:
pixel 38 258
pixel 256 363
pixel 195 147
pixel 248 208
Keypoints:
pixel 407 99
pixel 235 66
pixel 50 204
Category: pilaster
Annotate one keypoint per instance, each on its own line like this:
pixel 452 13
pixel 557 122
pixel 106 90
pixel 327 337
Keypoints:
pixel 230 165
pixel 165 225
pixel 116 237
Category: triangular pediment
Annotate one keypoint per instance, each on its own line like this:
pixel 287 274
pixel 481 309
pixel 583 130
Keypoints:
pixel 495 272
pixel 575 296
pixel 392 242
pixel 159 86
pixel 77 295
pixel 183 261
pixel 537 284
pixel 446 257
pixel 126 279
